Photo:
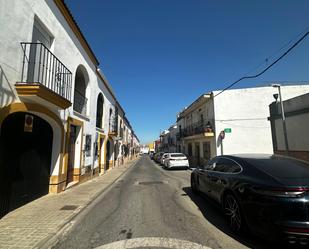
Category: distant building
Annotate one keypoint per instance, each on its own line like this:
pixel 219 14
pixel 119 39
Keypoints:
pixel 157 145
pixel 296 111
pixel 164 136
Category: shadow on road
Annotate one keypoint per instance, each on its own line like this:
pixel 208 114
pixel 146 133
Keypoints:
pixel 175 169
pixel 213 214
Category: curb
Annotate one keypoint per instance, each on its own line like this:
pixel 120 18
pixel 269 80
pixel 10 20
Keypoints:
pixel 53 238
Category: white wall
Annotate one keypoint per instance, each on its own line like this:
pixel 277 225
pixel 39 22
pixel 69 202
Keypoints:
pixel 245 111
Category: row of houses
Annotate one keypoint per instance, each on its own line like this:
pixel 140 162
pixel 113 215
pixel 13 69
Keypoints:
pixel 60 120
pixel 237 121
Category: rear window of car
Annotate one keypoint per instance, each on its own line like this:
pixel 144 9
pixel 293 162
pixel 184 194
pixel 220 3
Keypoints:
pixel 178 155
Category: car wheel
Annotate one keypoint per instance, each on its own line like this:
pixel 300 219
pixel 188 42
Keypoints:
pixel 233 213
pixel 193 185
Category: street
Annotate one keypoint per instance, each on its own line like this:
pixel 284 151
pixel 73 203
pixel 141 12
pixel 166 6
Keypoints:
pixel 149 201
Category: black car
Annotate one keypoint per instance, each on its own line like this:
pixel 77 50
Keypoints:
pixel 268 194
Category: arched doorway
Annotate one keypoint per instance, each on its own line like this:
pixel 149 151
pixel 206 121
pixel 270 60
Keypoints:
pixel 25 159
pixel 81 82
pixel 108 154
pixel 100 103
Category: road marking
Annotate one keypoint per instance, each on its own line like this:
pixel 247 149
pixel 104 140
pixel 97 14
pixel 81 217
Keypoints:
pixel 150 182
pixel 153 242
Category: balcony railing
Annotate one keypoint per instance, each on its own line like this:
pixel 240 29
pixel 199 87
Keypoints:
pixel 112 127
pixel 197 128
pixel 80 103
pixel 41 66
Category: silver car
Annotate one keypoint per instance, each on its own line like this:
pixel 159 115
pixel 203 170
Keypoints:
pixel 176 160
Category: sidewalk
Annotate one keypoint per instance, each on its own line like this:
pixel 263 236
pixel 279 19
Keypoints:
pixel 43 218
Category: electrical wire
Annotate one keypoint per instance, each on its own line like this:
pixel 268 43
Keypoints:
pixel 266 69
pixel 244 126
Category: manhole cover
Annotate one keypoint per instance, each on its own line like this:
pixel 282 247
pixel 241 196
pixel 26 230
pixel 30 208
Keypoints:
pixel 150 183
pixel 69 207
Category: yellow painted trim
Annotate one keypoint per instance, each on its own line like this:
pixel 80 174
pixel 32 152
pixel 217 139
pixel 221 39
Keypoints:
pixel 33 107
pixel 104 155
pixel 112 134
pixel 209 134
pixel 76 122
pixel 34 89
pixel 73 25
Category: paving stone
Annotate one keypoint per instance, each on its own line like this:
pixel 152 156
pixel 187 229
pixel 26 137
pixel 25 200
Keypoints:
pixel 25 227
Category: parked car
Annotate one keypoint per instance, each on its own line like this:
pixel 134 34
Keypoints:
pixel 268 194
pixel 176 160
pixel 158 157
pixel 151 154
pixel 155 156
pixel 163 157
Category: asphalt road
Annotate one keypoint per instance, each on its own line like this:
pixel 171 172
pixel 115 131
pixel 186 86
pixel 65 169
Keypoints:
pixel 149 201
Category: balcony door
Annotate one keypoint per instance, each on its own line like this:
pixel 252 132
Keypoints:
pixel 38 53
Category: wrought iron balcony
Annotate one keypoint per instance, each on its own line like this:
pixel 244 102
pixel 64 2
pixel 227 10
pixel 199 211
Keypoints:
pixel 201 127
pixel 43 71
pixel 113 127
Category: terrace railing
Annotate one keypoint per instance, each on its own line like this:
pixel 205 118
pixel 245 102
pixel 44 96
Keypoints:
pixel 41 66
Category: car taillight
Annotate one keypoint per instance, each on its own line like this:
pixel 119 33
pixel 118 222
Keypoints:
pixel 297 230
pixel 281 192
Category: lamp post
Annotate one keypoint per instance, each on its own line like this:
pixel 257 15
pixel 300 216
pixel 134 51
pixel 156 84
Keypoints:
pixel 283 118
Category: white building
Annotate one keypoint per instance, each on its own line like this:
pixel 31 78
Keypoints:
pixel 241 113
pixel 169 139
pixel 58 115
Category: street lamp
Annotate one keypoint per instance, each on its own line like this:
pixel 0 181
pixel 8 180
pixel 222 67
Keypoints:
pixel 282 116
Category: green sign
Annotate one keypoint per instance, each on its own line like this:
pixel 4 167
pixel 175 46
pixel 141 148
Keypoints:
pixel 228 130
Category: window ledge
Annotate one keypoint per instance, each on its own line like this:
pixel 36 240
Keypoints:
pixel 81 116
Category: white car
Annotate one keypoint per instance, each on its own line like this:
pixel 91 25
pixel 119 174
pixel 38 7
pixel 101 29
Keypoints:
pixel 163 157
pixel 176 160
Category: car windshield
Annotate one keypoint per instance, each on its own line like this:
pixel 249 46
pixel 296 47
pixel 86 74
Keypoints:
pixel 178 155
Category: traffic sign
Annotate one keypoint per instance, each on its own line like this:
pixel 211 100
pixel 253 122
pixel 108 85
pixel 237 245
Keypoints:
pixel 228 130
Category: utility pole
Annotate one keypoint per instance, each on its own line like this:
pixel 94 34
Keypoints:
pixel 283 118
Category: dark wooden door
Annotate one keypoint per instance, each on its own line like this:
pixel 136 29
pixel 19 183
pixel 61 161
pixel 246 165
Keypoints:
pixel 25 160
pixel 71 153
pixel 108 149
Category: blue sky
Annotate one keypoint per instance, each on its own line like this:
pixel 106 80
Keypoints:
pixel 160 55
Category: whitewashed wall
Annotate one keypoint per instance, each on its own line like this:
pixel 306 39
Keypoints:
pixel 245 111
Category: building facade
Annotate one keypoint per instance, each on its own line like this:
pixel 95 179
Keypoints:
pixel 58 112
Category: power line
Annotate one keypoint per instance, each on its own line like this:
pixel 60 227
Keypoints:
pixel 267 59
pixel 272 64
